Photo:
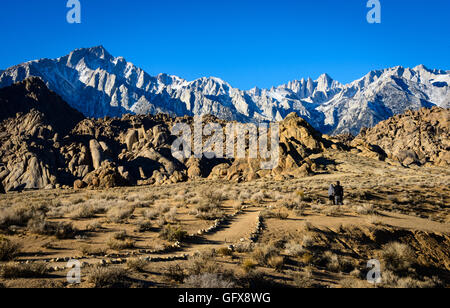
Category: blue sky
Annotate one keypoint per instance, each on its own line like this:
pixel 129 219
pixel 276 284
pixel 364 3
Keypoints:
pixel 247 42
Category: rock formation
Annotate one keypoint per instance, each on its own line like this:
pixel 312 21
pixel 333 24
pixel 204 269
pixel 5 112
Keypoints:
pixel 38 150
pixel 416 137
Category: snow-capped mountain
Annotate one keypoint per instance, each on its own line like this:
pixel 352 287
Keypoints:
pixel 98 84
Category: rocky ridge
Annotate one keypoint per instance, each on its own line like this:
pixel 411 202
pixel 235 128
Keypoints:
pixel 38 150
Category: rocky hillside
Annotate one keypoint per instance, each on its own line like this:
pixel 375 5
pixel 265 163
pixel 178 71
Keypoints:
pixel 33 123
pixel 44 143
pixel 416 137
pixel 33 94
pixel 99 84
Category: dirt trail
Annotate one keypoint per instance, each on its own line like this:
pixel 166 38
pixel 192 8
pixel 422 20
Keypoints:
pixel 239 227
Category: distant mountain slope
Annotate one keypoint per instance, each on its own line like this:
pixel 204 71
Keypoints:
pixel 98 84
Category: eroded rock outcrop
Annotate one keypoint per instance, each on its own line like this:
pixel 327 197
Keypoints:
pixel 416 137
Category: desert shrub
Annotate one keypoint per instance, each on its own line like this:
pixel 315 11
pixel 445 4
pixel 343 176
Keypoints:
pixel 175 272
pixel 84 211
pixel 225 251
pixel 303 281
pixel 392 280
pixel 161 222
pixel 208 211
pixel 317 208
pixel 120 236
pixel 308 241
pixel 258 197
pixel 171 215
pixel 366 209
pixel 208 281
pixel 120 214
pixel 173 233
pixel 397 257
pixel 16 270
pixel 243 247
pixel 202 263
pixel 248 265
pixel 276 262
pixel 356 273
pixel 137 264
pixel 88 250
pixel 256 280
pixel 353 283
pixel 109 277
pixel 289 204
pixel 282 214
pixel 411 283
pixel 294 249
pixel 64 230
pixel 244 196
pixel 115 244
pixel 150 214
pixel 61 230
pixel 212 197
pixel 17 215
pixel 94 226
pixel 300 194
pixel 144 226
pixel 334 263
pixel 163 208
pixel 39 225
pixel 8 249
pixel 300 209
pixel 76 200
pixel 210 215
pixel 263 253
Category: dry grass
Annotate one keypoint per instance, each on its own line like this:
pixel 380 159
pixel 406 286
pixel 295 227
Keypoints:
pixel 137 264
pixel 88 250
pixel 8 249
pixel 17 270
pixel 249 265
pixel 208 281
pixel 121 244
pixel 397 257
pixel 109 277
pixel 173 233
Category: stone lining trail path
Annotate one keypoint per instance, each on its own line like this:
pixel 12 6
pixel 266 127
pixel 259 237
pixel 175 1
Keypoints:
pixel 239 227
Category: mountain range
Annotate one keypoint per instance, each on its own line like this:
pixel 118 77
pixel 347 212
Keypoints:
pixel 98 84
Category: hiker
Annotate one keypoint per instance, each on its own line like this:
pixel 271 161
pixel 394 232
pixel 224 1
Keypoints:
pixel 338 194
pixel 331 193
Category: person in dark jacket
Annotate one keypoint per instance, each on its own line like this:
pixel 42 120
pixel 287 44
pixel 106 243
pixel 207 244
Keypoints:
pixel 338 194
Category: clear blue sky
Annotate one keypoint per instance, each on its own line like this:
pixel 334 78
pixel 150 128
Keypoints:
pixel 245 42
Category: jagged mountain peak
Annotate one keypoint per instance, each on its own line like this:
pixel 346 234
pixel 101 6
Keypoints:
pixel 99 84
pixel 96 51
